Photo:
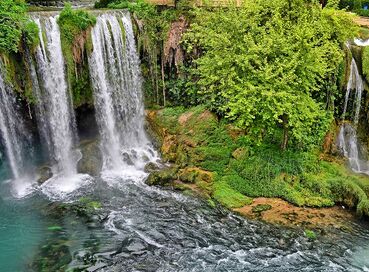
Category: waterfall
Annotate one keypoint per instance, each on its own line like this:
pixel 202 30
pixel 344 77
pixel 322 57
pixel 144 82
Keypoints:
pixel 116 80
pixel 55 114
pixel 15 139
pixel 347 140
pixel 355 83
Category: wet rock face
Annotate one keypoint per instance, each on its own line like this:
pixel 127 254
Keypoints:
pixel 44 173
pixel 91 162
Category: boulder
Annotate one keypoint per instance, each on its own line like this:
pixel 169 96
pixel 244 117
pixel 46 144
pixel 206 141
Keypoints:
pixel 239 153
pixel 162 177
pixel 92 161
pixel 195 175
pixel 44 173
pixel 150 167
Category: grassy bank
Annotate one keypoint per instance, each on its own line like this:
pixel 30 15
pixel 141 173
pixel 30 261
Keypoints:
pixel 195 139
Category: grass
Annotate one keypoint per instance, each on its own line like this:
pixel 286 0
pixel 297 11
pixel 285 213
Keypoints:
pixel 244 170
pixel 230 198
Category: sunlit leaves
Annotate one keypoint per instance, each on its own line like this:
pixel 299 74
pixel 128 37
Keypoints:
pixel 270 59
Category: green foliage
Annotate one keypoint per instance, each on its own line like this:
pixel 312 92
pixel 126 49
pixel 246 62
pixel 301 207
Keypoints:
pixel 263 65
pixel 30 33
pixel 75 37
pixel 102 3
pixel 365 61
pixel 13 17
pixel 310 234
pixel 260 170
pixel 228 197
pixel 333 4
pixel 73 22
pixel 362 12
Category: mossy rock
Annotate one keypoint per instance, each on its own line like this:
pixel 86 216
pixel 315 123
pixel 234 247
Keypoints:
pixel 261 208
pixel 195 175
pixel 162 177
pixel 239 153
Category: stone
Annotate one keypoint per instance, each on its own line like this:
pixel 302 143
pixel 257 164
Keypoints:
pixel 150 167
pixel 91 162
pixel 162 177
pixel 44 173
pixel 261 208
pixel 239 153
pixel 195 175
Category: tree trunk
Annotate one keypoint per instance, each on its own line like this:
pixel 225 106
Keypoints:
pixel 285 132
pixel 163 79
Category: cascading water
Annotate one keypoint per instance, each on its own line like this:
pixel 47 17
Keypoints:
pixel 56 120
pixel 116 79
pixel 15 139
pixel 54 101
pixel 347 140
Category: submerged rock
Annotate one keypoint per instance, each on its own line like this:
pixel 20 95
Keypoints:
pixel 91 161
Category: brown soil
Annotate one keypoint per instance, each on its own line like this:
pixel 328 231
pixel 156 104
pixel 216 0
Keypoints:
pixel 284 213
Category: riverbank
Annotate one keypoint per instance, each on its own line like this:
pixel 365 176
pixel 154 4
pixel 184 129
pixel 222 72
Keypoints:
pixel 216 161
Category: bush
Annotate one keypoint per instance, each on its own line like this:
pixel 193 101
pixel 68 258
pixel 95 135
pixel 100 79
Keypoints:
pixel 12 19
pixel 30 33
pixel 73 22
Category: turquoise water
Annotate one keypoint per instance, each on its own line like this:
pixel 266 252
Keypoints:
pixel 21 231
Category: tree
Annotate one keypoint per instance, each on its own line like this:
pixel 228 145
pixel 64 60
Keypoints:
pixel 263 64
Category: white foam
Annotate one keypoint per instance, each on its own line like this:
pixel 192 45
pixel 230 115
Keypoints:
pixel 62 187
pixel 22 187
pixel 360 42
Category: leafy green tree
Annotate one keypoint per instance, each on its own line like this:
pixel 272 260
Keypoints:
pixel 263 65
pixel 12 19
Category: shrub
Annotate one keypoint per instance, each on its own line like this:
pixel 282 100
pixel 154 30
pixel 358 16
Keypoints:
pixel 30 33
pixel 12 19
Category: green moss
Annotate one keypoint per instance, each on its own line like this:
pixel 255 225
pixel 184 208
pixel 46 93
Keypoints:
pixel 15 74
pixel 364 33
pixel 228 197
pixel 261 208
pixel 311 235
pixel 365 61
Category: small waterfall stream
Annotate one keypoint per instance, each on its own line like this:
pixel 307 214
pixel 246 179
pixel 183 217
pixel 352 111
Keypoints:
pixel 347 140
pixel 15 138
pixel 116 79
